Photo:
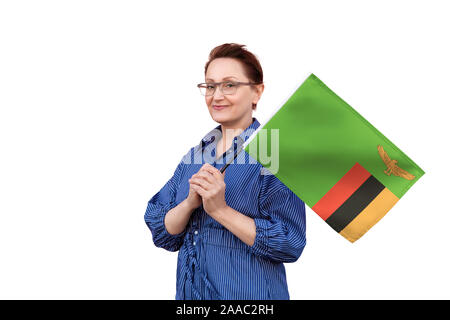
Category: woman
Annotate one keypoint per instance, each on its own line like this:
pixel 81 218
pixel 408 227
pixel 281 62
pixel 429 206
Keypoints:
pixel 233 230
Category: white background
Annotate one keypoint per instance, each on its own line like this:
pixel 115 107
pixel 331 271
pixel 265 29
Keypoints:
pixel 98 103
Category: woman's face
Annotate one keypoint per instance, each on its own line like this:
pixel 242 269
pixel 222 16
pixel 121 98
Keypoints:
pixel 238 105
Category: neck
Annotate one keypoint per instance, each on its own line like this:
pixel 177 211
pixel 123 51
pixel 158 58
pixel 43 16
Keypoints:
pixel 229 130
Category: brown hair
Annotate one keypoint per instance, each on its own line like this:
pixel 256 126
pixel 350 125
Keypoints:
pixel 252 67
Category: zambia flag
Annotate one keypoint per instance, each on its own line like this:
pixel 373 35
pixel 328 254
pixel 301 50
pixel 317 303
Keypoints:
pixel 333 159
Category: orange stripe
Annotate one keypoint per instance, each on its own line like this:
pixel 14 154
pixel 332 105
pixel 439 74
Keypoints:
pixel 370 215
pixel 340 192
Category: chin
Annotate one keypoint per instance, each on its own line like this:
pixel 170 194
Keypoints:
pixel 220 118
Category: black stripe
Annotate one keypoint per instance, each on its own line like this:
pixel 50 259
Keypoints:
pixel 355 204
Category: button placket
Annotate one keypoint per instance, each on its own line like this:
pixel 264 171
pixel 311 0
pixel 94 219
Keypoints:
pixel 195 240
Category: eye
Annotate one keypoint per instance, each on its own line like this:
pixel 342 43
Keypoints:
pixel 209 86
pixel 230 84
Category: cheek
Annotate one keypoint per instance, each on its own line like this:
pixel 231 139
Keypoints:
pixel 236 101
pixel 242 104
pixel 243 99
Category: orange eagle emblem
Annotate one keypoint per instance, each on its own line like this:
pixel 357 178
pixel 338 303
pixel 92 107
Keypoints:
pixel 392 167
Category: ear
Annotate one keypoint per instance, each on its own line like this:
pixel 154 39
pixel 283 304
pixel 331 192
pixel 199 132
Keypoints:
pixel 259 91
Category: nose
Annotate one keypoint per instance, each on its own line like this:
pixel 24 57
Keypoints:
pixel 218 93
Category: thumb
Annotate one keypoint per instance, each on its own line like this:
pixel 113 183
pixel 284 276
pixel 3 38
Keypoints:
pixel 223 173
pixel 217 173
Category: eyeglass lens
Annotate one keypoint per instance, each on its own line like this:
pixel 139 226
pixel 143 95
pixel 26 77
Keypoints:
pixel 208 89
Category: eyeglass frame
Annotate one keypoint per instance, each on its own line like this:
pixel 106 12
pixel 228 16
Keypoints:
pixel 220 87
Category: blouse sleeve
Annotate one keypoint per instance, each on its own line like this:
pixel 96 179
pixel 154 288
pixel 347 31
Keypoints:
pixel 281 231
pixel 157 208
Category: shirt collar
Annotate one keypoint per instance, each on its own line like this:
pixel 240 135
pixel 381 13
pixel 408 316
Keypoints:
pixel 239 139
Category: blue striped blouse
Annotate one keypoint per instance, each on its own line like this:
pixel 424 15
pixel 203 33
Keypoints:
pixel 212 262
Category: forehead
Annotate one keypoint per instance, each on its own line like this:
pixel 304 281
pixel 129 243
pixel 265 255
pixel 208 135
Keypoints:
pixel 225 69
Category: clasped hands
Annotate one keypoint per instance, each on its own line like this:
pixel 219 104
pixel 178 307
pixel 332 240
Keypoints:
pixel 207 186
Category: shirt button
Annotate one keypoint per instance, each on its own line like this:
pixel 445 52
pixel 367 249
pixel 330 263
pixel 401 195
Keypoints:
pixel 195 232
pixel 194 243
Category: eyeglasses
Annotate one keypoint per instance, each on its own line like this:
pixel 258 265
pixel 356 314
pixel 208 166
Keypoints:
pixel 226 87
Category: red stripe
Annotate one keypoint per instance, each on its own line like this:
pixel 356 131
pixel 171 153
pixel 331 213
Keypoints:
pixel 340 192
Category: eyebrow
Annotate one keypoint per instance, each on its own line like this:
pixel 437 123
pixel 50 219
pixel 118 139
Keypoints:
pixel 223 78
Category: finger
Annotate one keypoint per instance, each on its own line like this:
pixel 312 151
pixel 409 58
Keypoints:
pixel 205 167
pixel 206 175
pixel 201 182
pixel 214 171
pixel 199 172
pixel 198 189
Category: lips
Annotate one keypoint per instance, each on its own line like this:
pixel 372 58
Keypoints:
pixel 219 107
